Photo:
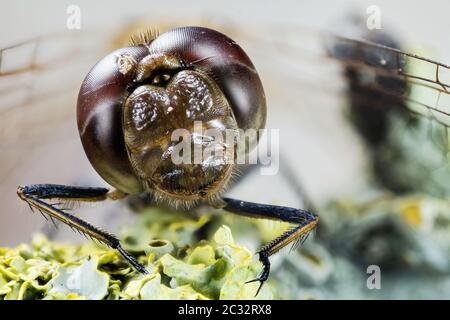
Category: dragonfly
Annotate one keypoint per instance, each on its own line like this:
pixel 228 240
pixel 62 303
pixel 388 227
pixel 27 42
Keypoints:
pixel 38 111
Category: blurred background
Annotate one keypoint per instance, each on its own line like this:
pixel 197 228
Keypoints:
pixel 372 214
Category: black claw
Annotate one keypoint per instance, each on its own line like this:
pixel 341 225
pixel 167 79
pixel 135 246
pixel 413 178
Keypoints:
pixel 261 282
pixel 139 267
pixel 264 259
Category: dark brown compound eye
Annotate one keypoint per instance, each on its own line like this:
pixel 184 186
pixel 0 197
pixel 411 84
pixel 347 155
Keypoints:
pixel 195 54
pixel 99 118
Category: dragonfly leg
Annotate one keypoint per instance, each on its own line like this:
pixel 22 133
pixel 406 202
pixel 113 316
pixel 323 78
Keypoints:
pixel 305 222
pixel 37 197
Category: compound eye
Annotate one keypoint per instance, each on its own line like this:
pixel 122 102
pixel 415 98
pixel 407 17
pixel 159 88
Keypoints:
pixel 99 117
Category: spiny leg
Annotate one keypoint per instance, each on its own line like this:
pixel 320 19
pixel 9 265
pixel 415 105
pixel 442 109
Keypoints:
pixel 304 220
pixel 35 195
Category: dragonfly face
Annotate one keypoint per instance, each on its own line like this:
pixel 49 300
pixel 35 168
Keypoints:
pixel 133 100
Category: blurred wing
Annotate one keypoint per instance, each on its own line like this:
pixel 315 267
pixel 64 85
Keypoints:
pixel 304 71
pixel 419 73
pixel 311 56
pixel 23 65
pixel 39 79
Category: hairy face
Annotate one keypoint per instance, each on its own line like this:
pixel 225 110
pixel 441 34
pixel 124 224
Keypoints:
pixel 153 112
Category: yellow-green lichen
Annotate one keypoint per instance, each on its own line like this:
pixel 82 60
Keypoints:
pixel 180 266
